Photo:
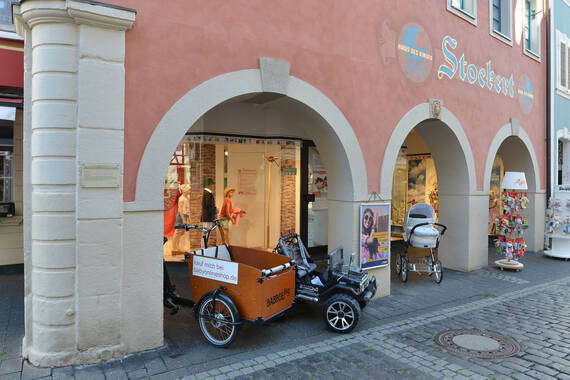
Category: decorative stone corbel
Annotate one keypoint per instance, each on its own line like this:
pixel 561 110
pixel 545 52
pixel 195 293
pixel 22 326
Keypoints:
pixel 435 106
pixel 274 75
pixel 515 126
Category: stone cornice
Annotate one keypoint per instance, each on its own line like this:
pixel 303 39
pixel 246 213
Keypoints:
pixel 30 13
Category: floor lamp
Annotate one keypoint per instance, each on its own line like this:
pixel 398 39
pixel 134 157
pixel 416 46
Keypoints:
pixel 270 160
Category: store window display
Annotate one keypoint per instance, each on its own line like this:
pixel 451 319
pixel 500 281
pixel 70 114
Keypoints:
pixel 208 164
pixel 183 216
pixel 229 214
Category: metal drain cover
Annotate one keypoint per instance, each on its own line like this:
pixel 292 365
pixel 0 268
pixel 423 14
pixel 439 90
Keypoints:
pixel 477 343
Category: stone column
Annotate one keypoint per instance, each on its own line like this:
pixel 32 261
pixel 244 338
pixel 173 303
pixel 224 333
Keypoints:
pixel 76 94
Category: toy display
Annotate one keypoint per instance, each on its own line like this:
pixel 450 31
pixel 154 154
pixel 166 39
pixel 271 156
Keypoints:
pixel 510 229
pixel 557 224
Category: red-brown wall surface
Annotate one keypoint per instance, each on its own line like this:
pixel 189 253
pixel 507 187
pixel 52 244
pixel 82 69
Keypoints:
pixel 346 49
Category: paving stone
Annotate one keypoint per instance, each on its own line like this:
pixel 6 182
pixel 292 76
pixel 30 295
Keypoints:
pixel 11 376
pixel 155 366
pixel 137 374
pixel 62 373
pixel 116 374
pixel 515 366
pixel 538 359
pixel 10 365
pixel 89 373
pixel 546 370
pixel 30 372
pixel 539 375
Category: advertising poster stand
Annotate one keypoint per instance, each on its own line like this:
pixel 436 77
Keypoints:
pixel 374 247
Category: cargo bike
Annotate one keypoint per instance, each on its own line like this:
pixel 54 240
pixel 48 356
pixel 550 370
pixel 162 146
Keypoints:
pixel 421 231
pixel 232 285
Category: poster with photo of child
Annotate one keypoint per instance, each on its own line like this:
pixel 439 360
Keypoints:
pixel 374 235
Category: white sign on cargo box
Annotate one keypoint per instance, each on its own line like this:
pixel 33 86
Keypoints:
pixel 219 270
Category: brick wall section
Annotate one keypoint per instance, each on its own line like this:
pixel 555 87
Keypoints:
pixel 202 166
pixel 288 193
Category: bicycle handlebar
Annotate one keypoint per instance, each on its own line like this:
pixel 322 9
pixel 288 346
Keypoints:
pixel 189 227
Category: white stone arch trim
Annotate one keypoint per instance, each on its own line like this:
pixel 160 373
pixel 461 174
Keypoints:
pixel 410 120
pixel 196 102
pixel 508 130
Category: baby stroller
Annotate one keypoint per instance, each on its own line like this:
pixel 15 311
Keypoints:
pixel 420 232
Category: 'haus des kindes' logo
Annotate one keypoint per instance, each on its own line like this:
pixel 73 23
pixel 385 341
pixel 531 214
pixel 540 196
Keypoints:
pixel 415 52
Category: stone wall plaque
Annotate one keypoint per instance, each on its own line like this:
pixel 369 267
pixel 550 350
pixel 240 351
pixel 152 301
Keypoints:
pixel 100 175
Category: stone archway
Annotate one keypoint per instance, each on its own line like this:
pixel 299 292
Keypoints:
pixel 143 217
pixel 464 245
pixel 518 154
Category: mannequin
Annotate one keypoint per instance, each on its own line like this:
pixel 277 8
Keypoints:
pixel 226 215
pixel 183 216
pixel 209 210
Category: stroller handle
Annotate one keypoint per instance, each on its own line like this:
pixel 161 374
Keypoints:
pixel 418 225
pixel 441 225
pixel 427 224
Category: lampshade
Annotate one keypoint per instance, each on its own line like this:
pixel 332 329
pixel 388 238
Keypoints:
pixel 514 181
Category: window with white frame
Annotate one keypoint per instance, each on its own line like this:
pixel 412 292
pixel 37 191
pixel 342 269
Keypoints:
pixel 6 15
pixel 501 20
pixel 466 9
pixel 531 30
pixel 563 62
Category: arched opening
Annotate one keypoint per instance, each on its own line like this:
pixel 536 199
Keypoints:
pixel 511 151
pixel 230 146
pixel 277 155
pixel 235 106
pixel 446 144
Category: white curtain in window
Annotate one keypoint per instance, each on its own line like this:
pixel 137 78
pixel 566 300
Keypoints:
pixel 563 79
pixel 7 113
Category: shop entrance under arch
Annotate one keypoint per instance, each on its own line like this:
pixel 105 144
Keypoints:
pixel 310 114
pixel 263 147
pixel 451 183
pixel 513 153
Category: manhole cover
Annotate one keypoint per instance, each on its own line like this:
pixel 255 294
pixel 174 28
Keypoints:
pixel 477 343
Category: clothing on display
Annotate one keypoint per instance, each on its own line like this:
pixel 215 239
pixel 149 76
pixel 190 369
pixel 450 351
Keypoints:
pixel 209 210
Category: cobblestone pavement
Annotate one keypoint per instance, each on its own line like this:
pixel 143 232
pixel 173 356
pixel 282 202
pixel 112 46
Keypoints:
pixel 394 339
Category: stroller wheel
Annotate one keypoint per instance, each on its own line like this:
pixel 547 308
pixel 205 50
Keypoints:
pixel 404 271
pixel 398 264
pixel 438 270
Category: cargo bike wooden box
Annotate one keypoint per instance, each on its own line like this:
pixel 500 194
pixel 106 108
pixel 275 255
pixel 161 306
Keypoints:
pixel 232 285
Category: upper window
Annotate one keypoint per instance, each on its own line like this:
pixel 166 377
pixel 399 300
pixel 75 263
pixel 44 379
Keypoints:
pixel 501 20
pixel 466 9
pixel 6 15
pixel 563 63
pixel 531 31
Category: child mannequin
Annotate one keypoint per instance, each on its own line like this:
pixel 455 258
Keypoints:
pixel 226 215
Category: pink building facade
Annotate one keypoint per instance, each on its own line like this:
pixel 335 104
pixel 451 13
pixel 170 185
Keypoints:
pixel 116 87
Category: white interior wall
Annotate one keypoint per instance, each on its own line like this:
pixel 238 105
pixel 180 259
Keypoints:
pixel 251 231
